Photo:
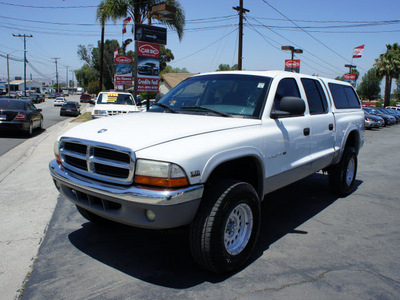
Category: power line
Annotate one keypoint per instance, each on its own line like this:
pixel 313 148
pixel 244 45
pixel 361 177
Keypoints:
pixel 306 31
pixel 46 7
pixel 295 44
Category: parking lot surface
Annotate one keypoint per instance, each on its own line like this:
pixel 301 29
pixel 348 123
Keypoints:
pixel 312 245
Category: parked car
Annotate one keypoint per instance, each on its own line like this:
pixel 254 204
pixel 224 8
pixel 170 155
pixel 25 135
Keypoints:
pixel 397 108
pixel 148 69
pixel 372 121
pixel 52 96
pixel 34 98
pixel 59 101
pixel 20 115
pixel 389 112
pixel 70 108
pixel 85 98
pixel 389 120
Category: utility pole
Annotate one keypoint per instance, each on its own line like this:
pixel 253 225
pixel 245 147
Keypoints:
pixel 24 36
pixel 241 10
pixel 55 60
pixel 67 80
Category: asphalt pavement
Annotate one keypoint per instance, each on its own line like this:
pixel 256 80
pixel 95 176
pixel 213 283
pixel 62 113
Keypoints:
pixel 312 245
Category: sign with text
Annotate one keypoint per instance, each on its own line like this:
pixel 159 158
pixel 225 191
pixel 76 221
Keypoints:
pixel 350 78
pixel 148 67
pixel 292 65
pixel 151 34
pixel 123 70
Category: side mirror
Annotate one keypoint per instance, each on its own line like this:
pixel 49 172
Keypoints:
pixel 159 96
pixel 289 107
pixel 91 102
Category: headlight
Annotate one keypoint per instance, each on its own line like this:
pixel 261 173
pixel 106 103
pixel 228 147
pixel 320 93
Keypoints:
pixel 162 174
pixel 100 112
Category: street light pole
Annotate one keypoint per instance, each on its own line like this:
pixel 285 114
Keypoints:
pixel 292 50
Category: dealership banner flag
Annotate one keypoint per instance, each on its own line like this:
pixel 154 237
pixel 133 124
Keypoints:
pixel 126 21
pixel 358 51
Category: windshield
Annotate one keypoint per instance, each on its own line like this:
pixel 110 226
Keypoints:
pixel 233 95
pixel 115 98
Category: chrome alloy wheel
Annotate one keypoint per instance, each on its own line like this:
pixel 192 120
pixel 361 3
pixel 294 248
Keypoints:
pixel 238 229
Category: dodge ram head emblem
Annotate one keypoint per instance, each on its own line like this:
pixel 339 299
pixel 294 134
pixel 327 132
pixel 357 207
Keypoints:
pixel 102 130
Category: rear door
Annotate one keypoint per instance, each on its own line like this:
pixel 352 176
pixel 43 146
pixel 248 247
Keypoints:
pixel 322 133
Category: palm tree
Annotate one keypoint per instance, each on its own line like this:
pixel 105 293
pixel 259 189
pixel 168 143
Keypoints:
pixel 388 66
pixel 139 10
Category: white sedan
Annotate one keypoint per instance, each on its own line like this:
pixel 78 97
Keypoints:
pixel 59 101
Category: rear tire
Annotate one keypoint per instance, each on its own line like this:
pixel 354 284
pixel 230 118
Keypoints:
pixel 225 229
pixel 342 176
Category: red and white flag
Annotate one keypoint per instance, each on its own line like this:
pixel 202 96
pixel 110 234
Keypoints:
pixel 126 21
pixel 358 51
pixel 115 53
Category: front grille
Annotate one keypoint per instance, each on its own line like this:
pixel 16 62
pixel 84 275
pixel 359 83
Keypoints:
pixel 116 112
pixel 103 162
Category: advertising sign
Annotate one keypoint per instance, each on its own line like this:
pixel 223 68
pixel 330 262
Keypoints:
pixel 292 65
pixel 350 78
pixel 148 67
pixel 151 34
pixel 123 70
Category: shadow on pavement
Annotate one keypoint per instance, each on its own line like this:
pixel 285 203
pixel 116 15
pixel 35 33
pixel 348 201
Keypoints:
pixel 163 257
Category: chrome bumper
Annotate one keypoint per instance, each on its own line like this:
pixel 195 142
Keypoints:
pixel 129 204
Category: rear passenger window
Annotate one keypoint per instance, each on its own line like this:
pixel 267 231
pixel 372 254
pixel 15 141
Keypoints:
pixel 344 96
pixel 315 96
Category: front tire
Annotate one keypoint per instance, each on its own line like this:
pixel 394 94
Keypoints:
pixel 225 229
pixel 342 176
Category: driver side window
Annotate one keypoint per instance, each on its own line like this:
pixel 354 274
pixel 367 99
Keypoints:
pixel 286 87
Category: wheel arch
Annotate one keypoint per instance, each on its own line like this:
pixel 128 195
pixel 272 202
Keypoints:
pixel 247 168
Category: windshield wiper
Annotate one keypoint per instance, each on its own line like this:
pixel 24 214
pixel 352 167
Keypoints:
pixel 205 109
pixel 166 106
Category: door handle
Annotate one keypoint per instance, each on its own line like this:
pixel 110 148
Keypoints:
pixel 306 131
pixel 330 126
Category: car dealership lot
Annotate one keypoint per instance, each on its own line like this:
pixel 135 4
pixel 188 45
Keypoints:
pixel 312 245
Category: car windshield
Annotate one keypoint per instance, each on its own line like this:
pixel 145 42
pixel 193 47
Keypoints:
pixel 224 95
pixel 12 105
pixel 115 98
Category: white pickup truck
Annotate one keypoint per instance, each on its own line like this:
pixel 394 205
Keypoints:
pixel 207 153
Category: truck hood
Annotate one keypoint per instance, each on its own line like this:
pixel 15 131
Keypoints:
pixel 141 130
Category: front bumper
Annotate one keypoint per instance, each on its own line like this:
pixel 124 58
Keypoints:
pixel 129 204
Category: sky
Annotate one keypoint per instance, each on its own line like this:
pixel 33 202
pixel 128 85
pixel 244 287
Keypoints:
pixel 326 31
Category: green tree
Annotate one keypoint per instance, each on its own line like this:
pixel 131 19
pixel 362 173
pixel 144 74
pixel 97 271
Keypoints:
pixel 226 67
pixel 169 69
pixel 108 61
pixel 85 75
pixel 165 57
pixel 139 11
pixel 369 87
pixel 396 91
pixel 388 66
